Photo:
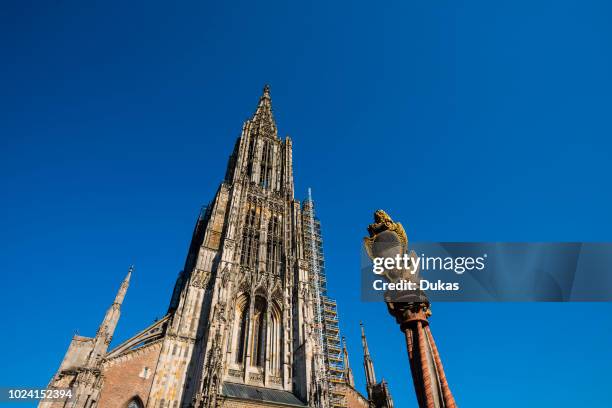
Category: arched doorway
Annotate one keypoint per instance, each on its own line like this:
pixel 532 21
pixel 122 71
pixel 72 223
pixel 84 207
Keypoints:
pixel 135 402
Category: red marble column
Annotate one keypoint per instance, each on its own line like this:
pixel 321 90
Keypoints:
pixel 430 383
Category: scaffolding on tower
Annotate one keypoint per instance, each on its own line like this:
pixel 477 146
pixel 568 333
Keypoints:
pixel 326 314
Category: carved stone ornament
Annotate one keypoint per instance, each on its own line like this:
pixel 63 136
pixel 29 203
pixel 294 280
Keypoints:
pixel 387 240
pixel 199 279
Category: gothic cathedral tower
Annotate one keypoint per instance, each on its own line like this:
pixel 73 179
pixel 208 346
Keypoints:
pixel 241 329
pixel 242 311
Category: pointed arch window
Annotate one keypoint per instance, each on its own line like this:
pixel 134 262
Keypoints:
pixel 250 236
pixel 257 332
pixel 258 345
pixel 274 352
pixel 241 328
pixel 265 172
pixel 274 246
pixel 250 155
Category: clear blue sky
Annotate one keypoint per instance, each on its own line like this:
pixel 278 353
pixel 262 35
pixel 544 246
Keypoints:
pixel 468 121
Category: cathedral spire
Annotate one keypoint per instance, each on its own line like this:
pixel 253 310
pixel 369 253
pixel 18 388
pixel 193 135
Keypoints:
pixel 124 287
pixel 348 373
pixel 368 364
pixel 108 325
pixel 265 102
pixel 263 120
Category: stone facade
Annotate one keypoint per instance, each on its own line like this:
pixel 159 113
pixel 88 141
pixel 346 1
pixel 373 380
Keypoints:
pixel 234 403
pixel 240 329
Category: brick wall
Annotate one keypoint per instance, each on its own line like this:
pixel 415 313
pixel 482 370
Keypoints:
pixel 354 399
pixel 129 376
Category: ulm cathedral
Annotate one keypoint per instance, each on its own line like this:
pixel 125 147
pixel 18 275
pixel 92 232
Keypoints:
pixel 249 322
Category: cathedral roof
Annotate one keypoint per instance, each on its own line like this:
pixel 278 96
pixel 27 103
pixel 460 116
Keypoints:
pixel 251 393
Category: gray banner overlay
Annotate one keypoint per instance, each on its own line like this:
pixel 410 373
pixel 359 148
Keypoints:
pixel 501 272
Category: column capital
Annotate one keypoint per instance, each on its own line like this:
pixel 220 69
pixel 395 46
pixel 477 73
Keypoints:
pixel 408 313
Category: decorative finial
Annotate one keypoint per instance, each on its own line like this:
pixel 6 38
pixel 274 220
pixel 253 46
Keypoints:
pixel 266 89
pixel 129 274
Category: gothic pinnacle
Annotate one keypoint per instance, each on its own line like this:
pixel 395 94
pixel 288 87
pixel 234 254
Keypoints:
pixel 124 286
pixel 348 372
pixel 364 341
pixel 368 364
